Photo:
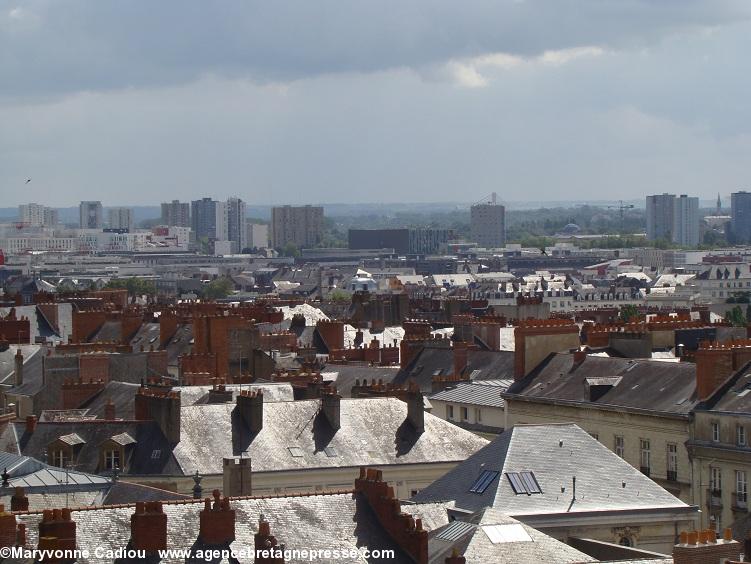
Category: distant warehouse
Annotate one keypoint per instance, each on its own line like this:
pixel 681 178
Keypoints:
pixel 420 241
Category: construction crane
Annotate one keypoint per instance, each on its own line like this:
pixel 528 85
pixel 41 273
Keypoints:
pixel 621 207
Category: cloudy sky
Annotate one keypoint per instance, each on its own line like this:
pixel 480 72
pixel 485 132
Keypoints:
pixel 350 101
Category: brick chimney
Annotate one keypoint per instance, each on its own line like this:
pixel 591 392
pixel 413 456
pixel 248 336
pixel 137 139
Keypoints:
pixel 18 367
pixel 160 406
pixel 148 527
pixel 415 408
pixel 535 339
pixel 403 529
pixel 714 365
pixel 332 334
pixel 167 327
pixel 19 501
pixel 249 404
pixel 331 407
pixel 109 410
pixel 31 423
pixel 75 394
pixel 8 528
pixel 700 547
pixel 57 531
pixel 237 477
pixel 263 541
pixel 461 357
pixel 217 521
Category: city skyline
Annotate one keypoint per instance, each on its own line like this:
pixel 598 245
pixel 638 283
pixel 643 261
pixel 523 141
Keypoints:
pixel 390 106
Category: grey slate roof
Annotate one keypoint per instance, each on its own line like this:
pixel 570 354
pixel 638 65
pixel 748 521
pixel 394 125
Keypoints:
pixel 147 434
pixel 735 395
pixel 328 521
pixel 481 365
pixel 373 432
pixel 472 538
pixel 122 395
pixel 344 375
pixel 272 391
pixel 32 368
pixel 554 453
pixel 475 394
pixel 665 387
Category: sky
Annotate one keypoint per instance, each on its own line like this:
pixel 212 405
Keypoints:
pixel 294 102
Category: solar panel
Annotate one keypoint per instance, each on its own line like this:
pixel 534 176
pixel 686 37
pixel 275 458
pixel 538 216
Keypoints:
pixel 482 483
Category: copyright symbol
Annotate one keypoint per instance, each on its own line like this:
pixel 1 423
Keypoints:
pixel 5 552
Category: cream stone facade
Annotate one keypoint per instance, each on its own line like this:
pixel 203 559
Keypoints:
pixel 626 432
pixel 721 465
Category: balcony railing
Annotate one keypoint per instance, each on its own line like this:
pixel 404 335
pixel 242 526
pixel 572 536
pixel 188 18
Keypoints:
pixel 645 470
pixel 740 501
pixel 714 498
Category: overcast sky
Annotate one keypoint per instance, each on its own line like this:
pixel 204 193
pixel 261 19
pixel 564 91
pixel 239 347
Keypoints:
pixel 329 101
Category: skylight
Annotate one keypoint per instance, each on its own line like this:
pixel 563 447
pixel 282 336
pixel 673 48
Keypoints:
pixel 512 532
pixel 482 483
pixel 524 483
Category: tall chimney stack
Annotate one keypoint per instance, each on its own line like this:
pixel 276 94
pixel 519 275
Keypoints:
pixel 331 407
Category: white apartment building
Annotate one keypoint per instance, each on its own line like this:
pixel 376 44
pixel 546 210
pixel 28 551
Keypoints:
pixel 37 215
pixel 686 221
pixel 121 218
pixel 257 235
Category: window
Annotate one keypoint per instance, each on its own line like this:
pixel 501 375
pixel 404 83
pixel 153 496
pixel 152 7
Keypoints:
pixel 741 486
pixel 645 456
pixel 482 483
pixel 672 462
pixel 715 480
pixel 413 493
pixel 619 445
pixel 465 413
pixel 524 482
pixel 715 432
pixel 478 414
pixel 111 459
pixel 740 435
pixel 595 436
pixel 450 411
pixel 60 458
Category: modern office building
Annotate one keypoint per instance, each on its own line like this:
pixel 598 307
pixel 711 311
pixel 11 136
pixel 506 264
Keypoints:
pixel 209 219
pixel 419 241
pixel 740 216
pixel 660 211
pixel 90 215
pixel 488 224
pixel 236 232
pixel 121 219
pixel 299 225
pixel 37 215
pixel 685 228
pixel 176 213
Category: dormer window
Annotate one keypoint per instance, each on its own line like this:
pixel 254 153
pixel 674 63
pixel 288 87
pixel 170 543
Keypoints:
pixel 60 458
pixel 112 459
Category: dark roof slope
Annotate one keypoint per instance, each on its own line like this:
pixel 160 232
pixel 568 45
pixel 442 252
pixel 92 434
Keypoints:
pixel 666 387
pixel 553 453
